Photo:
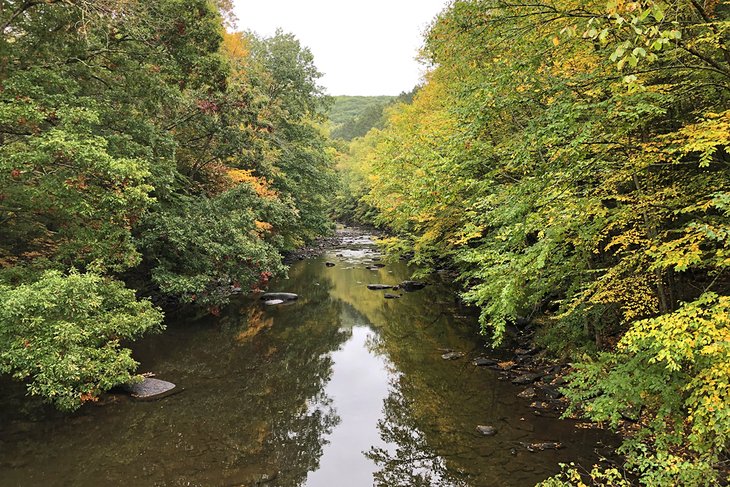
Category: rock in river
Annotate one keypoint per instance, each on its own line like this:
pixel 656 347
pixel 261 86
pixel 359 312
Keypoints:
pixel 379 287
pixel 279 296
pixel 273 302
pixel 487 430
pixel 329 264
pixel 150 389
pixel 411 286
pixel 452 355
pixel 525 379
pixel 484 362
pixel 542 445
pixel 391 296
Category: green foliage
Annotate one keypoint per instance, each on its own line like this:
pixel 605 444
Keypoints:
pixel 62 335
pixel 218 244
pixel 370 116
pixel 346 109
pixel 673 369
pixel 142 139
pixel 571 160
pixel 597 477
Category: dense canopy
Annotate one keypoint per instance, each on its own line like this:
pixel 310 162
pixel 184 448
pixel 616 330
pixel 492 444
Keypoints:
pixel 571 160
pixel 141 142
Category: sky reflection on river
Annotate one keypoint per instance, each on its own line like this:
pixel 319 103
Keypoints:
pixel 343 387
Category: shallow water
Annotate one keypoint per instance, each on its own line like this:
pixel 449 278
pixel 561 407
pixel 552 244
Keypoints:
pixel 343 387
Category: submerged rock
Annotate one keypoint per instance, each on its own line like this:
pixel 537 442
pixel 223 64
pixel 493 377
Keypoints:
pixel 151 389
pixel 391 296
pixel 329 264
pixel 543 445
pixel 452 355
pixel 487 430
pixel 411 286
pixel 279 296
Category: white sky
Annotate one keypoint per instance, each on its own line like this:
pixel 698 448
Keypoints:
pixel 364 47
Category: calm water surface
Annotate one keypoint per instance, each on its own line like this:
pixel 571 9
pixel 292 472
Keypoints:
pixel 341 388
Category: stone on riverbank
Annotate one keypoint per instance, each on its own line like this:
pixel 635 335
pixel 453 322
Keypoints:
pixel 525 379
pixel 528 393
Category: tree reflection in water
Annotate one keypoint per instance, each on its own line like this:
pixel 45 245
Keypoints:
pixel 410 461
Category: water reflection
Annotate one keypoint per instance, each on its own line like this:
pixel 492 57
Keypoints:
pixel 343 387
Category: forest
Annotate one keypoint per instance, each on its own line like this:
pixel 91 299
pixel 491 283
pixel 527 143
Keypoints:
pixel 569 160
pixel 141 143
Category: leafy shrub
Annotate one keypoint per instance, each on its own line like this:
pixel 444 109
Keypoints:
pixel 62 335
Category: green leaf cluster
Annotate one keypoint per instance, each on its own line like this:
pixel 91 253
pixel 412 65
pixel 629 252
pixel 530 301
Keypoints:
pixel 62 335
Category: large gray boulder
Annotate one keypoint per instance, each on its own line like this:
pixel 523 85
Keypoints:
pixel 151 389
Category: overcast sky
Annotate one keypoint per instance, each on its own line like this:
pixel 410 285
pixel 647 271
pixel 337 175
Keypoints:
pixel 363 47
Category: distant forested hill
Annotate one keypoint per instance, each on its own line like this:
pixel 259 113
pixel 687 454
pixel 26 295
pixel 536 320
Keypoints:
pixel 353 116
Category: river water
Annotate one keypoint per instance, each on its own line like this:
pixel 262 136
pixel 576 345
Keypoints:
pixel 340 388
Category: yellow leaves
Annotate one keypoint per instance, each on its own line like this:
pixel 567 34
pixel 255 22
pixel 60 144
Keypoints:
pixel 703 138
pixel 260 185
pixel 680 254
pixel 467 234
pixel 634 294
pixel 556 41
pixel 257 322
pixel 625 240
pixel 236 46
pixel 263 228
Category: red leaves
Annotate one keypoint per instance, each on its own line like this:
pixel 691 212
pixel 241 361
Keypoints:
pixel 87 396
pixel 207 106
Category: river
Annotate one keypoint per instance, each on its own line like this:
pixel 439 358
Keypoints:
pixel 341 388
